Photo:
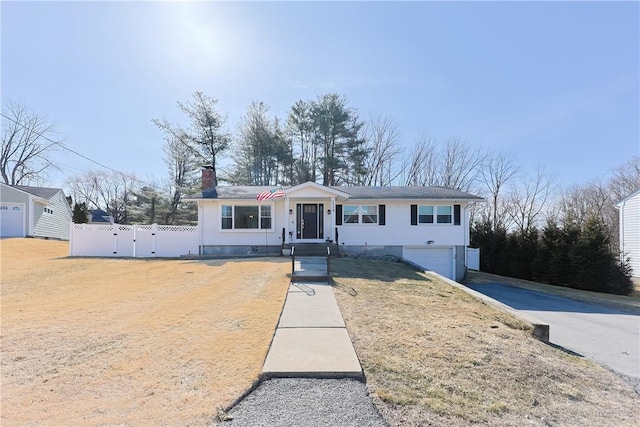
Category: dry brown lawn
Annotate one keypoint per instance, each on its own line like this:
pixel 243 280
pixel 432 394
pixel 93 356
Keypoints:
pixel 89 341
pixel 433 355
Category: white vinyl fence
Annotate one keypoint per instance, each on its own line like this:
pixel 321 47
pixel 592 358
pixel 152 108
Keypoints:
pixel 473 259
pixel 137 241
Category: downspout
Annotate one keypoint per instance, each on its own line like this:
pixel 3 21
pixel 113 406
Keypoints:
pixel 466 234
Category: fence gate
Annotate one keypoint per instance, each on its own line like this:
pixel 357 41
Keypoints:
pixel 473 259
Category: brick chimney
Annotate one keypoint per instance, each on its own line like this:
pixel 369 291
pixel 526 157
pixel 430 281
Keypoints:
pixel 207 177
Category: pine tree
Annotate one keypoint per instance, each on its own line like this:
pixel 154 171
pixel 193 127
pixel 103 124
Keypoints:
pixel 80 214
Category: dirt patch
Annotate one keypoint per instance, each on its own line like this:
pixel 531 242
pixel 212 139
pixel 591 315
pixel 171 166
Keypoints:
pixel 433 355
pixel 90 341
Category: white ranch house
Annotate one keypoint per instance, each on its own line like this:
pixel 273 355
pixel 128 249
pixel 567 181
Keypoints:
pixel 629 211
pixel 34 212
pixel 426 225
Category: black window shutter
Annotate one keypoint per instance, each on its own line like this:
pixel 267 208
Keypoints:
pixel 382 220
pixel 338 214
pixel 414 214
pixel 456 214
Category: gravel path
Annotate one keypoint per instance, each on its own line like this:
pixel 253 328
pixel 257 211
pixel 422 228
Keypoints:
pixel 306 402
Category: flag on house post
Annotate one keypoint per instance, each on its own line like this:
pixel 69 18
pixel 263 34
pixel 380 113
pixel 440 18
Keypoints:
pixel 271 194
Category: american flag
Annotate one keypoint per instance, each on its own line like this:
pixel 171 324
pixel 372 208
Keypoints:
pixel 271 194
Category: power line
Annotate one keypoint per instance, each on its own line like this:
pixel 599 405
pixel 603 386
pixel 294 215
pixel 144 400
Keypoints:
pixel 60 144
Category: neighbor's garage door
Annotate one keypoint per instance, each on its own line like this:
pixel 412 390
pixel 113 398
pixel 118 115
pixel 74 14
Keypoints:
pixel 439 260
pixel 11 220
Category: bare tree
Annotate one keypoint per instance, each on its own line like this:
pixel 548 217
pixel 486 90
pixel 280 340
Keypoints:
pixel 530 197
pixel 454 164
pixel 384 152
pixel 625 179
pixel 499 169
pixel 110 191
pixel 579 203
pixel 182 167
pixel 27 143
pixel 460 164
pixel 419 168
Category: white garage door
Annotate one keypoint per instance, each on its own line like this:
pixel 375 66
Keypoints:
pixel 439 260
pixel 11 220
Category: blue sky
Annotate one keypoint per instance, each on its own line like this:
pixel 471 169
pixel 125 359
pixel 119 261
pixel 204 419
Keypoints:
pixel 556 82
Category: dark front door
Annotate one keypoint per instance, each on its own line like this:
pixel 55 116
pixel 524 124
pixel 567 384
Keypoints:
pixel 310 220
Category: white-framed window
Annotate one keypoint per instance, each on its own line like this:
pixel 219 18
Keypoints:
pixel 435 214
pixel 425 214
pixel 227 217
pixel 445 214
pixel 359 214
pixel 246 217
pixel 265 217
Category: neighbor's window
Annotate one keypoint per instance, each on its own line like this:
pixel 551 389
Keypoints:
pixel 246 217
pixel 425 215
pixel 360 214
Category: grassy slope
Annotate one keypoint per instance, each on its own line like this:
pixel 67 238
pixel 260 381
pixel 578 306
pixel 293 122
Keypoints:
pixel 435 356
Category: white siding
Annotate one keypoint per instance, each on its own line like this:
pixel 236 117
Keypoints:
pixel 213 234
pixel 630 231
pixel 55 225
pixel 399 231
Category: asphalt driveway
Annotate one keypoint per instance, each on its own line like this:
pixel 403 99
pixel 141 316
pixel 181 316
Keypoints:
pixel 609 336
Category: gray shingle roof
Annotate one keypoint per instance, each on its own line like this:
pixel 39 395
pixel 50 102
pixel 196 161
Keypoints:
pixel 44 192
pixel 355 193
pixel 396 192
pixel 235 192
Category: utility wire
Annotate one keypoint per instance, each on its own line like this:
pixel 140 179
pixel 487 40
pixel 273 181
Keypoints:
pixel 60 144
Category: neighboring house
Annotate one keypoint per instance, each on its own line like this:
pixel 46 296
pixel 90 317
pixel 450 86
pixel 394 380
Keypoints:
pixel 426 225
pixel 34 211
pixel 98 216
pixel 629 208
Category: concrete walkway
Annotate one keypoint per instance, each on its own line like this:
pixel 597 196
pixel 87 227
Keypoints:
pixel 311 339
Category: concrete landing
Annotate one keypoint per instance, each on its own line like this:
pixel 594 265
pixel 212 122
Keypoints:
pixel 311 339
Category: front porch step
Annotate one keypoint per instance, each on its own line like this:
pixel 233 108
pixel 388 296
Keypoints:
pixel 303 276
pixel 313 249
pixel 310 269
